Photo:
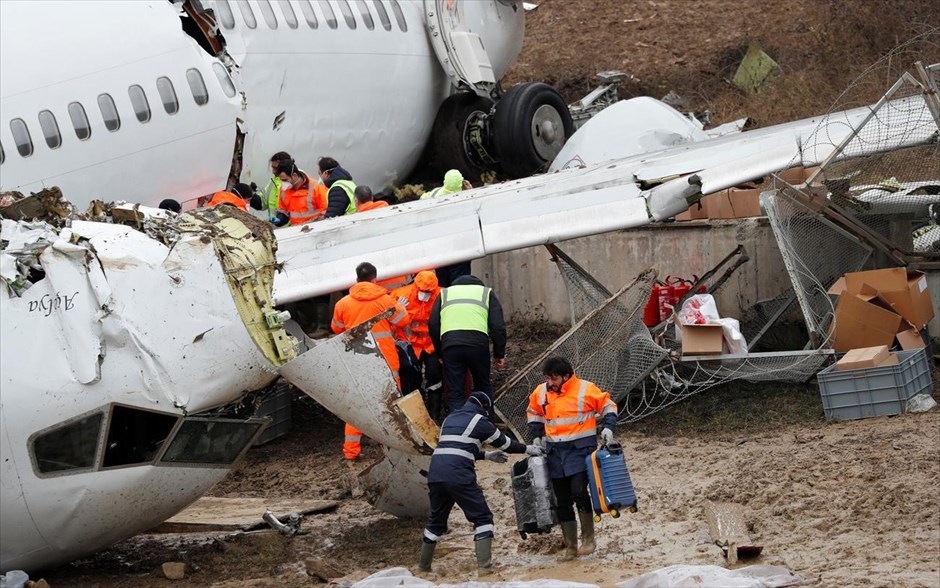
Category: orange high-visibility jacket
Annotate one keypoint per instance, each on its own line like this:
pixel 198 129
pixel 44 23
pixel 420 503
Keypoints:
pixel 364 301
pixel 371 205
pixel 227 198
pixel 303 204
pixel 419 312
pixel 570 414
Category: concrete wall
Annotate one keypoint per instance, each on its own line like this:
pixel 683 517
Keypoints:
pixel 529 285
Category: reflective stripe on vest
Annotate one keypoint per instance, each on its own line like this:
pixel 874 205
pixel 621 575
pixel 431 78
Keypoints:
pixel 302 216
pixel 583 424
pixel 465 308
pixel 348 187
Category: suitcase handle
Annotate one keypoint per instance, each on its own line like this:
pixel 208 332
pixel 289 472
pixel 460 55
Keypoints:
pixel 613 447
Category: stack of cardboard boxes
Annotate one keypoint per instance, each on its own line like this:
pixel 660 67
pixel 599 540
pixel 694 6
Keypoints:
pixel 741 201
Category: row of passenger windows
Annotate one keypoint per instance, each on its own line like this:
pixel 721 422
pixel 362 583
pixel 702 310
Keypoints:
pixel 226 16
pixel 109 112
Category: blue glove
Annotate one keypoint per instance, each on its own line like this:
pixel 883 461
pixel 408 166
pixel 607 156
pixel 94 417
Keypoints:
pixel 272 219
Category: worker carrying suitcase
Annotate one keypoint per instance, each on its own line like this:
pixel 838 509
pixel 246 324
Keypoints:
pixel 609 481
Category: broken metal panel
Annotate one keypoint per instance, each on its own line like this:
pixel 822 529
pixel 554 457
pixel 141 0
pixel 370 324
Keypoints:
pixel 398 484
pixel 349 376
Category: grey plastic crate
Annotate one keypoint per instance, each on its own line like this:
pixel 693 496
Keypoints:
pixel 880 391
pixel 276 405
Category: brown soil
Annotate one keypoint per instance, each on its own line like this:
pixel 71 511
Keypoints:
pixel 853 503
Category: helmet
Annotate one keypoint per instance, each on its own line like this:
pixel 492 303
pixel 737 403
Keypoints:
pixel 481 399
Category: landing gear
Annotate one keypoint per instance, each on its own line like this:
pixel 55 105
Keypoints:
pixel 530 126
pixel 459 137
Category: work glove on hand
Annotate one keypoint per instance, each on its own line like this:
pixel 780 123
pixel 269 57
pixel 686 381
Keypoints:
pixel 533 450
pixel 403 301
pixel 540 443
pixel 497 456
pixel 607 436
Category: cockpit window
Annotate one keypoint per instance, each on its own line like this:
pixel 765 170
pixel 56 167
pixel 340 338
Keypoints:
pixel 225 14
pixel 139 102
pixel 347 14
pixel 309 15
pixel 328 13
pixel 245 8
pixel 197 86
pixel 210 441
pixel 112 121
pixel 268 13
pixel 224 80
pixel 290 17
pixel 71 446
pixel 383 14
pixel 167 95
pixel 399 16
pixel 366 15
pixel 135 436
pixel 79 121
pixel 50 129
pixel 24 143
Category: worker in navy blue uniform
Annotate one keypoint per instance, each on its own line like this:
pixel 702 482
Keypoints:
pixel 452 476
pixel 465 318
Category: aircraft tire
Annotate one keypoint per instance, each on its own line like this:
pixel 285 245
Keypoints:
pixel 449 147
pixel 526 125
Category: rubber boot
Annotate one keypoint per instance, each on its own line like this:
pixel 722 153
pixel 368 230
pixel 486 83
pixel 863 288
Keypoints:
pixel 569 530
pixel 427 555
pixel 484 549
pixel 587 533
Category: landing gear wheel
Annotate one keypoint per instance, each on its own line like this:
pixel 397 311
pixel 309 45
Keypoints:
pixel 597 518
pixel 530 126
pixel 451 146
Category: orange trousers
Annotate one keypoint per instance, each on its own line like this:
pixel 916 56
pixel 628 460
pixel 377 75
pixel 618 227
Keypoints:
pixel 352 443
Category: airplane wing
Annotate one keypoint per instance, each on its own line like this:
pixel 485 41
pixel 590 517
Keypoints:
pixel 606 196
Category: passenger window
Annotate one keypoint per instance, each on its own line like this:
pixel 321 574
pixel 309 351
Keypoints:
pixel 109 112
pixel 24 144
pixel 168 95
pixel 347 14
pixel 50 129
pixel 224 80
pixel 79 121
pixel 328 13
pixel 225 14
pixel 309 15
pixel 289 15
pixel 210 441
pixel 136 436
pixel 399 16
pixel 73 446
pixel 383 14
pixel 139 102
pixel 197 86
pixel 247 14
pixel 366 15
pixel 268 13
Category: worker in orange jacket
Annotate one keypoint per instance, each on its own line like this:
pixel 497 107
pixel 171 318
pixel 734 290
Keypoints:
pixel 365 300
pixel 418 299
pixel 365 200
pixel 302 199
pixel 239 197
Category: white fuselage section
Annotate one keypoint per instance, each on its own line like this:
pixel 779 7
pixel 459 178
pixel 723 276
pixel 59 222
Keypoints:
pixel 331 85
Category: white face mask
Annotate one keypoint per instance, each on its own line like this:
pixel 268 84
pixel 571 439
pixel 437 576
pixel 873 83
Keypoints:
pixel 424 296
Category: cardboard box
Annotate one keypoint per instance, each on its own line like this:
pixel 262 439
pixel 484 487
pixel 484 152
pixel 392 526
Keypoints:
pixel 905 290
pixel 696 211
pixel 892 359
pixel 717 205
pixel 702 339
pixel 745 202
pixel 863 357
pixel 864 320
pixel 910 339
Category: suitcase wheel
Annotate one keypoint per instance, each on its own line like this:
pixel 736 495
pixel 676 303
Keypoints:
pixel 615 513
pixel 523 535
pixel 632 508
pixel 597 518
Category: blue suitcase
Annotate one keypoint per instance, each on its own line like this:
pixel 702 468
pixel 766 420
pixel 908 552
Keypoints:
pixel 611 488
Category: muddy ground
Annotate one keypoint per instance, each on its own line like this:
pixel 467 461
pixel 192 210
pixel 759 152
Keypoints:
pixel 847 504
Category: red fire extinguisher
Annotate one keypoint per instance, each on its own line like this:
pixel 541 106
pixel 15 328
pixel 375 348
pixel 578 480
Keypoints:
pixel 680 287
